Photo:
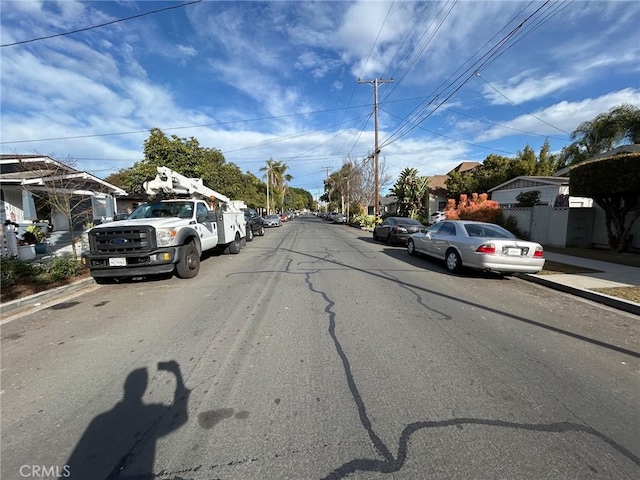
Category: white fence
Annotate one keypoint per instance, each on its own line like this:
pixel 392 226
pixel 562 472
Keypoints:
pixel 566 227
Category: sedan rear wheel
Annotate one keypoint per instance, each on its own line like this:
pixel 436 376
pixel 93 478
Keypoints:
pixel 453 261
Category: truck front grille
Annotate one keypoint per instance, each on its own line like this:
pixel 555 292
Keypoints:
pixel 122 239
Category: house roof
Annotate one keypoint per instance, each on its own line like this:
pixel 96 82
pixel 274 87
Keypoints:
pixel 464 167
pixel 34 171
pixel 388 200
pixel 438 182
pixel 633 148
pixel 526 181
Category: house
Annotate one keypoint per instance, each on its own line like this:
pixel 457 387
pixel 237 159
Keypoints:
pixel 437 193
pixel 387 206
pixel 438 186
pixel 553 191
pixel 29 182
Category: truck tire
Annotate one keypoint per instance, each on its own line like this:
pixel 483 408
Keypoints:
pixel 188 265
pixel 261 231
pixel 249 234
pixel 234 247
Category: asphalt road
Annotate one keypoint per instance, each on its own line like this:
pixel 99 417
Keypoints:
pixel 318 353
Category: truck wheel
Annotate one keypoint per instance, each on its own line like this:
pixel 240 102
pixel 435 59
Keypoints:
pixel 261 231
pixel 188 265
pixel 234 247
pixel 249 234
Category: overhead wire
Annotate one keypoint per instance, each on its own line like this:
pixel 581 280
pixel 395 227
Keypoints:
pixel 434 95
pixel 456 139
pixel 456 85
pixel 47 37
pixel 518 106
pixel 215 124
pixel 364 64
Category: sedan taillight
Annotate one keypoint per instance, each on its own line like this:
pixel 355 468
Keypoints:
pixel 539 253
pixel 488 248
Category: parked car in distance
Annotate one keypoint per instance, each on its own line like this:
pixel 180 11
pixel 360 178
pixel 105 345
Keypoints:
pixel 339 218
pixel 396 229
pixel 272 221
pixel 436 217
pixel 477 245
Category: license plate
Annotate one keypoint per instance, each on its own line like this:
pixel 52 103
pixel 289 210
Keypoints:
pixel 514 251
pixel 118 262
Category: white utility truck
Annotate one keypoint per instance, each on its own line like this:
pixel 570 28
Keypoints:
pixel 166 236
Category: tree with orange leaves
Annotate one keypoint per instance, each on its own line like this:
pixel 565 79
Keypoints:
pixel 478 208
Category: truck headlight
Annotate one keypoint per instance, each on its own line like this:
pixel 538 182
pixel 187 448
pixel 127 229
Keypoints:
pixel 165 236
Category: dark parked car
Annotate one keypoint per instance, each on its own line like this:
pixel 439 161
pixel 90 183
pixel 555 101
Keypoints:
pixel 396 229
pixel 254 224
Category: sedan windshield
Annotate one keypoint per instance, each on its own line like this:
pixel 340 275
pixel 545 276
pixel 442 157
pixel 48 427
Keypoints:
pixel 163 209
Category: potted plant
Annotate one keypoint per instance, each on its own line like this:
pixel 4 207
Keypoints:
pixel 34 232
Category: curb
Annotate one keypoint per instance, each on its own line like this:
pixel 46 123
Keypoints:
pixel 607 300
pixel 38 298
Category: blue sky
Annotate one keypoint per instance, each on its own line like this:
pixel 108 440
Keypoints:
pixel 260 80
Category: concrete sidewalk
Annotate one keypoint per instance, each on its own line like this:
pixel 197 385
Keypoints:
pixel 607 275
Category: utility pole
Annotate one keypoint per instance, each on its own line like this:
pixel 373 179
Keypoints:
pixel 327 170
pixel 376 149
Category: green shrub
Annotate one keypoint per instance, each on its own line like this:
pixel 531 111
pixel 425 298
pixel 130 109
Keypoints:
pixel 13 271
pixel 365 221
pixel 62 267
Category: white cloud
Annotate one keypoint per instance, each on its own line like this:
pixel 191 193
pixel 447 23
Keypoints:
pixel 565 115
pixel 521 91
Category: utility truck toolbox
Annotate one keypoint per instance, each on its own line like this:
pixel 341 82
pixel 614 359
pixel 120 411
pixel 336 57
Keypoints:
pixel 166 236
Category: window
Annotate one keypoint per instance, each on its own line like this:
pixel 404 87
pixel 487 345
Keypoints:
pixel 447 228
pixel 202 213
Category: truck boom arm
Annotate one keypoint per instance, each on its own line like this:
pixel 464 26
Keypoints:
pixel 168 181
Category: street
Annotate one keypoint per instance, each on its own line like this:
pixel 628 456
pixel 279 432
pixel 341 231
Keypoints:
pixel 319 353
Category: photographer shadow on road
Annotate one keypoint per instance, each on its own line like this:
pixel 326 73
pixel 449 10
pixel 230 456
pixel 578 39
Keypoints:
pixel 121 443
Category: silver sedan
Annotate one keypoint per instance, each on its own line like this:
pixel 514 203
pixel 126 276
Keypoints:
pixel 477 245
pixel 272 221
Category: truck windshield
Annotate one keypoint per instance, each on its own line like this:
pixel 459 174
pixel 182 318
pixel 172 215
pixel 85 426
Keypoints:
pixel 164 210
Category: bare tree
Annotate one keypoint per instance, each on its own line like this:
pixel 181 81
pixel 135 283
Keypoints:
pixel 62 190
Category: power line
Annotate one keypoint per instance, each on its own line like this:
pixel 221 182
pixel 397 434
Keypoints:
pixel 420 116
pixel 518 106
pixel 167 129
pixel 100 25
pixel 453 138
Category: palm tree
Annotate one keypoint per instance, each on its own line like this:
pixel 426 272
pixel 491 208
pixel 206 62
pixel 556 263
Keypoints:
pixel 277 179
pixel 270 168
pixel 410 191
